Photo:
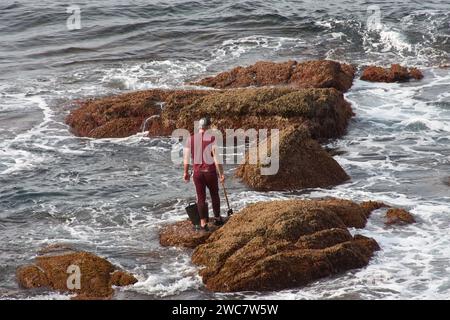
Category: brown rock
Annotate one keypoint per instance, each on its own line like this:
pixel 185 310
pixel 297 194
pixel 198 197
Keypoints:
pixel 121 279
pixel 373 205
pixel 351 213
pixel 181 234
pixel 124 115
pixel 399 216
pixel 302 164
pixel 396 73
pixel 284 244
pixel 51 269
pixel 323 111
pixel 308 74
pixel 415 73
pixel 31 277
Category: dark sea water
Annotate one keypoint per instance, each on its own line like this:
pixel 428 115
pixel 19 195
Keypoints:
pixel 111 196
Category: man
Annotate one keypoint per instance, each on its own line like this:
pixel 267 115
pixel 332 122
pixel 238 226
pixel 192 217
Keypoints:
pixel 202 150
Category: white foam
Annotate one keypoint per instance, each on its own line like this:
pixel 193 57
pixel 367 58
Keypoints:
pixel 388 43
pixel 153 74
pixel 174 277
pixel 394 40
pixel 49 296
pixel 18 159
pixel 235 48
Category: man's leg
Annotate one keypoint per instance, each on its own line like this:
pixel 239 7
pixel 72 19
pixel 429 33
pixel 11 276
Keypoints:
pixel 212 182
pixel 200 188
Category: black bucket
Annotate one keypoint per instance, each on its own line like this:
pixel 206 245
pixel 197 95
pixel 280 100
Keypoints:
pixel 192 212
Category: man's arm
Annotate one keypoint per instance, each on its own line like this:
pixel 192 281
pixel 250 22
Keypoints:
pixel 186 158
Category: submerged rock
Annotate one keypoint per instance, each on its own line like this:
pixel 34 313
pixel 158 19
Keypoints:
pixel 284 244
pixel 55 264
pixel 399 216
pixel 308 74
pixel 302 163
pixel 181 234
pixel 447 181
pixel 396 73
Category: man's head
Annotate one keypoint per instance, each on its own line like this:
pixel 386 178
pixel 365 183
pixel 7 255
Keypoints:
pixel 204 123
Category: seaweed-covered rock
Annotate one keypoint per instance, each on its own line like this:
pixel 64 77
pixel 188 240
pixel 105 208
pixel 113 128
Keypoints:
pixel 181 234
pixel 302 163
pixel 56 264
pixel 373 205
pixel 308 74
pixel 399 216
pixel 396 73
pixel 284 244
pixel 121 278
pixel 324 112
pixel 126 114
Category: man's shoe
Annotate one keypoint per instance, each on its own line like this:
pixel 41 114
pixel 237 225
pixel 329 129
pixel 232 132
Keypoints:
pixel 204 228
pixel 196 227
pixel 218 221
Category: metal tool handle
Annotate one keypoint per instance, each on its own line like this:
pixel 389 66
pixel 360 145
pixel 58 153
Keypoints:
pixel 226 195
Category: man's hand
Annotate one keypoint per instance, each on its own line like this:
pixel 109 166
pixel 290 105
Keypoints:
pixel 222 178
pixel 186 177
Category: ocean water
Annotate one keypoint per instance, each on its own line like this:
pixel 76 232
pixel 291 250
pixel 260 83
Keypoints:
pixel 111 196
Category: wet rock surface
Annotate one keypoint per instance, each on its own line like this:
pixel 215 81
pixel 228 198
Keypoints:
pixel 55 264
pixel 324 112
pixel 395 216
pixel 302 163
pixel 396 73
pixel 308 74
pixel 126 114
pixel 283 244
pixel 182 234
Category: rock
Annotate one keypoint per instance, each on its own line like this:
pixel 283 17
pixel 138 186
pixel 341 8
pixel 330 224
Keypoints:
pixel 51 269
pixel 31 277
pixel 399 216
pixel 415 73
pixel 447 181
pixel 353 215
pixel 115 116
pixel 324 112
pixel 335 151
pixel 121 278
pixel 302 164
pixel 308 74
pixel 396 73
pixel 373 205
pixel 122 115
pixel 284 244
pixel 181 234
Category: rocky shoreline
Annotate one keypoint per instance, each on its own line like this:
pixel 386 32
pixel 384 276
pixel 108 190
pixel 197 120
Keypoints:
pixel 266 246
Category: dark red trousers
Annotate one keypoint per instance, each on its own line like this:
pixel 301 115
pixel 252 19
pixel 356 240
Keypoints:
pixel 203 180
